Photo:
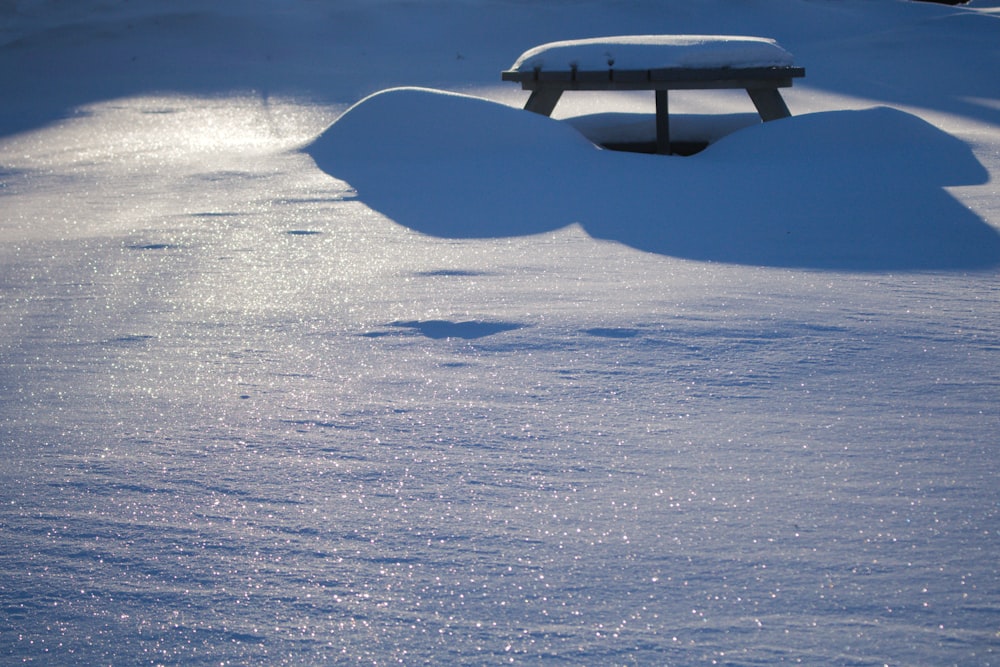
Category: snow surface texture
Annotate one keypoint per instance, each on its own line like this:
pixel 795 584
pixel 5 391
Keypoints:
pixel 655 51
pixel 438 381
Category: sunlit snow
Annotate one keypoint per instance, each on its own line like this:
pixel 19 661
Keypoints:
pixel 316 348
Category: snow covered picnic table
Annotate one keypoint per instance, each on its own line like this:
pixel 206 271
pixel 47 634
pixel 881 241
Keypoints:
pixel 659 63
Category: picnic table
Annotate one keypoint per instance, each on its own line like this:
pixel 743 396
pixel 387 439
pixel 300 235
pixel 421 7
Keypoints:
pixel 659 63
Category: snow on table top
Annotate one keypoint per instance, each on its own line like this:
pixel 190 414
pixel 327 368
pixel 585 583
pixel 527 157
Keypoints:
pixel 632 52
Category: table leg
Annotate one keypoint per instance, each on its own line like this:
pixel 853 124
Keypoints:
pixel 769 103
pixel 662 123
pixel 543 100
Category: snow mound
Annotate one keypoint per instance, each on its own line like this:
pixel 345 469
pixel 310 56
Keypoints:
pixel 858 190
pixel 655 51
pixel 461 164
pixel 425 124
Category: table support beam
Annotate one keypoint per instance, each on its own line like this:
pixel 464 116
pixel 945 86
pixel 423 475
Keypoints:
pixel 760 83
pixel 543 100
pixel 769 103
pixel 662 123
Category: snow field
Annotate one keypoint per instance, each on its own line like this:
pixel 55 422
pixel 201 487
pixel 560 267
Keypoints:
pixel 268 395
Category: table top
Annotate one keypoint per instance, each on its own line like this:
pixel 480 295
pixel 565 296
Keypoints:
pixel 654 52
pixel 657 79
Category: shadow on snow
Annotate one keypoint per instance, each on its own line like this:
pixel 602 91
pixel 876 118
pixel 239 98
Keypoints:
pixel 443 329
pixel 845 190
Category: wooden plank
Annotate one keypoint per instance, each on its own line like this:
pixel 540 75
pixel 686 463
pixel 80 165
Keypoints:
pixel 564 76
pixel 716 84
pixel 594 81
pixel 630 76
pixel 769 103
pixel 512 75
pixel 669 78
pixel 598 78
pixel 707 74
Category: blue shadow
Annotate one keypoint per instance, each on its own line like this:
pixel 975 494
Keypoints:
pixel 845 190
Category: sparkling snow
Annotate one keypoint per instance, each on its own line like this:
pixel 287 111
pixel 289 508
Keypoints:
pixel 436 380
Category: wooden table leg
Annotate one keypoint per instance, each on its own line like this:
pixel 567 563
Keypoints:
pixel 543 100
pixel 662 123
pixel 769 103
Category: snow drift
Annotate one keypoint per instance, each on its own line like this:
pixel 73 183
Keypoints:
pixel 859 190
